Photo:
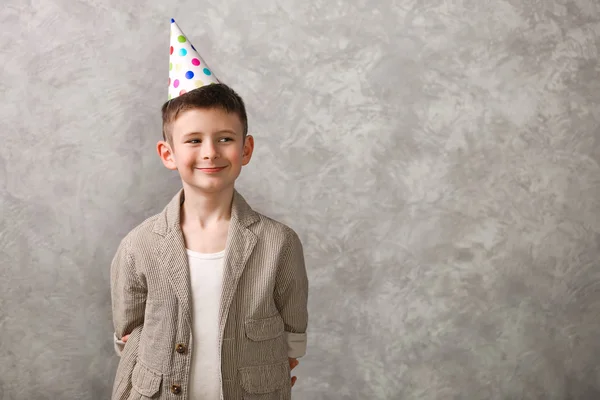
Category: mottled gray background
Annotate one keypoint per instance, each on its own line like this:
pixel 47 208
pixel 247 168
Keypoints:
pixel 439 159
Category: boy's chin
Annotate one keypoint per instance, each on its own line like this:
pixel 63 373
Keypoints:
pixel 208 188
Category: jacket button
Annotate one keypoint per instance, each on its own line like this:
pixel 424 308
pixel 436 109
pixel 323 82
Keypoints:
pixel 180 348
pixel 176 389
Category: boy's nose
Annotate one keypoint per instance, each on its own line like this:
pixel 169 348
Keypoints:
pixel 209 151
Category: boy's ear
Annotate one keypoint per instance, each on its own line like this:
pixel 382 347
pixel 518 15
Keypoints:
pixel 248 149
pixel 165 152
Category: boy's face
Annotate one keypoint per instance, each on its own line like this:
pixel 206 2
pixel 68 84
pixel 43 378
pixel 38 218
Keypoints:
pixel 208 149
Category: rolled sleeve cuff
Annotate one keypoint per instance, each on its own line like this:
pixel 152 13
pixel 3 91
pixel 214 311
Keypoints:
pixel 296 343
pixel 119 344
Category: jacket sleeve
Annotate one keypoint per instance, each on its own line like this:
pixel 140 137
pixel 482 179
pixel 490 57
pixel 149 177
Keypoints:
pixel 128 294
pixel 291 295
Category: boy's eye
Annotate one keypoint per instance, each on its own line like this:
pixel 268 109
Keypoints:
pixel 196 141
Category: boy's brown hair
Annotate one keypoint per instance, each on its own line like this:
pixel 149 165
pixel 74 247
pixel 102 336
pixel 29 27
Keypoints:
pixel 217 95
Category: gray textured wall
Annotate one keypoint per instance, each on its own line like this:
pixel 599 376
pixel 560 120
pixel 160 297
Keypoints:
pixel 439 159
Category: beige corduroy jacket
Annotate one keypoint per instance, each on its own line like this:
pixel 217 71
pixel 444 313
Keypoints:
pixel 263 314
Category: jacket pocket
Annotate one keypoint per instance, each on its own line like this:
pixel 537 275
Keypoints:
pixel 265 328
pixel 265 379
pixel 145 381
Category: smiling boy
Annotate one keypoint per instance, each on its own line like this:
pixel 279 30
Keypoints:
pixel 209 296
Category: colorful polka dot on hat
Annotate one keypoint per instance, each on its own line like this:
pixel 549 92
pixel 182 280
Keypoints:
pixel 187 70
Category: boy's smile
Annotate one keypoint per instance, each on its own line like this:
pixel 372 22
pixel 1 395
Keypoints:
pixel 208 149
pixel 212 170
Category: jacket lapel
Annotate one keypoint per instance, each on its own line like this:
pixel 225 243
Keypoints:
pixel 172 254
pixel 174 258
pixel 240 243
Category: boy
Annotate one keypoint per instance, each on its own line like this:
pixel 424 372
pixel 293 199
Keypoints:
pixel 209 297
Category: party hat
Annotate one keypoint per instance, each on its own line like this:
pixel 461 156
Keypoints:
pixel 187 70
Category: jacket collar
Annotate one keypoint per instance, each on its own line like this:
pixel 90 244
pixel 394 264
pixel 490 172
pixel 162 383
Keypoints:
pixel 170 218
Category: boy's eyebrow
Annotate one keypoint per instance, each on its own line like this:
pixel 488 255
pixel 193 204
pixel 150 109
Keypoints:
pixel 200 133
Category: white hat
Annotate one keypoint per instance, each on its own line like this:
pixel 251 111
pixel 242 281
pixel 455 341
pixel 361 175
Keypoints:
pixel 187 70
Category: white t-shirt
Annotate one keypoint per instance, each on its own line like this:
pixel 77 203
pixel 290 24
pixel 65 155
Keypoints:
pixel 206 275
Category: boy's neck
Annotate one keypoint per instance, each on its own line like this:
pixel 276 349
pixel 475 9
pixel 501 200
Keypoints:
pixel 204 209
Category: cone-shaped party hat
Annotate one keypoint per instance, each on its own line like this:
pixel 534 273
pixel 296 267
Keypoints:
pixel 187 70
